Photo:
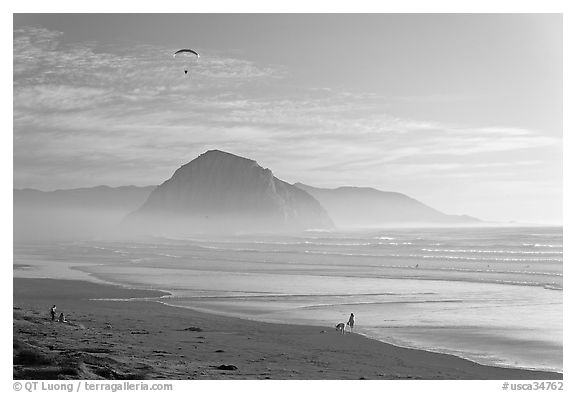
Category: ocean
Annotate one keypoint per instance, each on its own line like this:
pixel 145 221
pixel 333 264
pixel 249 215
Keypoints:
pixel 491 295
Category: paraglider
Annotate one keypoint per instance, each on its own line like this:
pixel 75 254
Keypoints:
pixel 186 53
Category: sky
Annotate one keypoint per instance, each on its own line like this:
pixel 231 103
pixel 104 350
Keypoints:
pixel 460 111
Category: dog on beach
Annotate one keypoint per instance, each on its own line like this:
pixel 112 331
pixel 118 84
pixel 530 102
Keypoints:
pixel 340 327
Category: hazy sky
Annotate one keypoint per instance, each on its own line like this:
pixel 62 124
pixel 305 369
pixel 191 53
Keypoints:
pixel 462 112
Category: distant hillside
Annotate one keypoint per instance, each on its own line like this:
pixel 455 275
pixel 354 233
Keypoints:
pixel 75 213
pixel 367 207
pixel 125 198
pixel 222 192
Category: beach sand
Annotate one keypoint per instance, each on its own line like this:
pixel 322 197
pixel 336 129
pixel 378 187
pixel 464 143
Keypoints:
pixel 141 339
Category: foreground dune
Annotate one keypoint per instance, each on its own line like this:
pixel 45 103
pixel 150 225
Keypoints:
pixel 141 339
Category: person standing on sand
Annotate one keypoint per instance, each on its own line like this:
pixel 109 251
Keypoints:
pixel 53 312
pixel 351 322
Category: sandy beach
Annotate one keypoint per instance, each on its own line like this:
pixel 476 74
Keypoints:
pixel 142 339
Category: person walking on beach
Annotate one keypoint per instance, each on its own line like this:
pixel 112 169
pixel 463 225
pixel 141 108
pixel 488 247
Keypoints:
pixel 53 312
pixel 351 322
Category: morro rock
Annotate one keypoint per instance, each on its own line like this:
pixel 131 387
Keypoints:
pixel 222 192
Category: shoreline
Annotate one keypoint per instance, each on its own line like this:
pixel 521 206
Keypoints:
pixel 224 314
pixel 261 350
pixel 169 294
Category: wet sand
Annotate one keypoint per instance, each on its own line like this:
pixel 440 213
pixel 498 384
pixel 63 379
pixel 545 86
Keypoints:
pixel 142 339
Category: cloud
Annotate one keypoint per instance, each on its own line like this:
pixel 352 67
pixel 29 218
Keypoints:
pixel 49 97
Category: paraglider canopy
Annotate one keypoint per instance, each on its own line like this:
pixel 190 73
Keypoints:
pixel 186 53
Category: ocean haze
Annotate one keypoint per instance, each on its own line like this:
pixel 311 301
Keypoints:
pixel 218 192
